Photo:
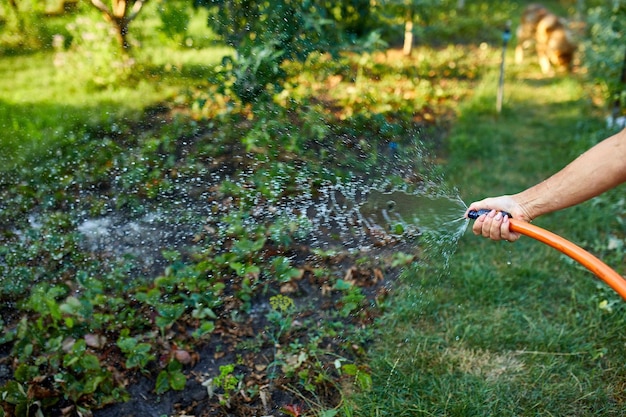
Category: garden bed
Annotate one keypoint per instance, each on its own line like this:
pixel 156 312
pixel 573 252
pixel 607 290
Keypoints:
pixel 171 271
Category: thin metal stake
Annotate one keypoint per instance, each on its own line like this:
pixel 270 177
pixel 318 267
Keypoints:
pixel 506 36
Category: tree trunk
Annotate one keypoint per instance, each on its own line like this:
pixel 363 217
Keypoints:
pixel 120 15
pixel 408 38
pixel 121 31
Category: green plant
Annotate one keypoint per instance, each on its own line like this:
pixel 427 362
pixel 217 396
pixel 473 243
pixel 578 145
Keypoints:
pixel 604 53
pixel 283 271
pixel 226 382
pixel 169 313
pixel 362 377
pixel 249 75
pixel 280 315
pixel 14 393
pixel 95 55
pixel 138 354
pixel 171 377
pixel 352 298
pixel 175 20
pixel 86 376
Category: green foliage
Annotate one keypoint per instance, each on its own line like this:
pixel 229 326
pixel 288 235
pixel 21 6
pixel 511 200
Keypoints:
pixel 604 51
pixel 352 298
pixel 281 315
pixel 86 375
pixel 264 34
pixel 175 19
pixel 226 382
pixel 171 378
pixel 22 27
pixel 296 28
pixel 138 354
pixel 441 22
pixel 282 269
pixel 362 378
pixel 255 69
pixel 15 394
pixel 95 55
pixel 50 243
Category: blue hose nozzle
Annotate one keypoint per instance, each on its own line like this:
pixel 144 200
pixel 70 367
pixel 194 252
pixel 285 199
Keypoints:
pixel 474 214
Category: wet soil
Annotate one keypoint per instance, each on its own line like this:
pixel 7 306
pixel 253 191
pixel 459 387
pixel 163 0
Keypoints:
pixel 361 256
pixel 241 335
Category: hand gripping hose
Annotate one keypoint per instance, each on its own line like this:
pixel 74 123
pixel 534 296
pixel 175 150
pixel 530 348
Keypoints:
pixel 595 265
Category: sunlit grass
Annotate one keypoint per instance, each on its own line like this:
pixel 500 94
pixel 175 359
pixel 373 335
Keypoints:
pixel 43 103
pixel 510 329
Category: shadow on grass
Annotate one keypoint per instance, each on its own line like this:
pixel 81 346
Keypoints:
pixel 32 131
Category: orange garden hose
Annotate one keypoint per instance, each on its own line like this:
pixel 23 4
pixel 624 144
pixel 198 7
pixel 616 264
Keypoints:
pixel 586 259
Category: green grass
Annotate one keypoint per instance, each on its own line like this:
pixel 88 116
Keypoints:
pixel 510 329
pixel 44 104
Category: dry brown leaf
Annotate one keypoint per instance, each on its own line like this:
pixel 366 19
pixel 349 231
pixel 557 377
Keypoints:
pixel 288 288
pixel 95 340
pixel 378 275
pixel 326 289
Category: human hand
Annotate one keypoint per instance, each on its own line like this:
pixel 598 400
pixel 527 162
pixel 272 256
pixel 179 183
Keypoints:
pixel 494 225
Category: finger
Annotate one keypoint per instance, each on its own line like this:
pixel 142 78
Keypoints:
pixel 477 227
pixel 472 207
pixel 506 231
pixel 495 230
pixel 486 230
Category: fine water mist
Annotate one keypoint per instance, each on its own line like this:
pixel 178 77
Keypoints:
pixel 347 215
pixel 363 215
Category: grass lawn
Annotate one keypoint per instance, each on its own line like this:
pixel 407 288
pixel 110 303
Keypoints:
pixel 46 99
pixel 511 329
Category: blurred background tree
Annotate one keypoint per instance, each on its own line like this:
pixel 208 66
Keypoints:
pixel 175 18
pixel 416 15
pixel 20 28
pixel 120 13
pixel 263 34
pixel 605 52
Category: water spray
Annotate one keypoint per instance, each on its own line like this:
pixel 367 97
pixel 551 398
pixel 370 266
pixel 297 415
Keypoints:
pixel 586 259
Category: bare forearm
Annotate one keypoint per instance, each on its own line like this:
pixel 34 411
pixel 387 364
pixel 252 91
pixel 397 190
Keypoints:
pixel 597 170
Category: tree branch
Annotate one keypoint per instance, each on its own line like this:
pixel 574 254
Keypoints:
pixel 136 9
pixel 101 6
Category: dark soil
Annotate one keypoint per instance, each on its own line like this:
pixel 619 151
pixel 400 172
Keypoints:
pixel 232 341
pixel 244 339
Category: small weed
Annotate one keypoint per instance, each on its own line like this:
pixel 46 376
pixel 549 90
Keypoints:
pixel 352 298
pixel 226 383
pixel 281 315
